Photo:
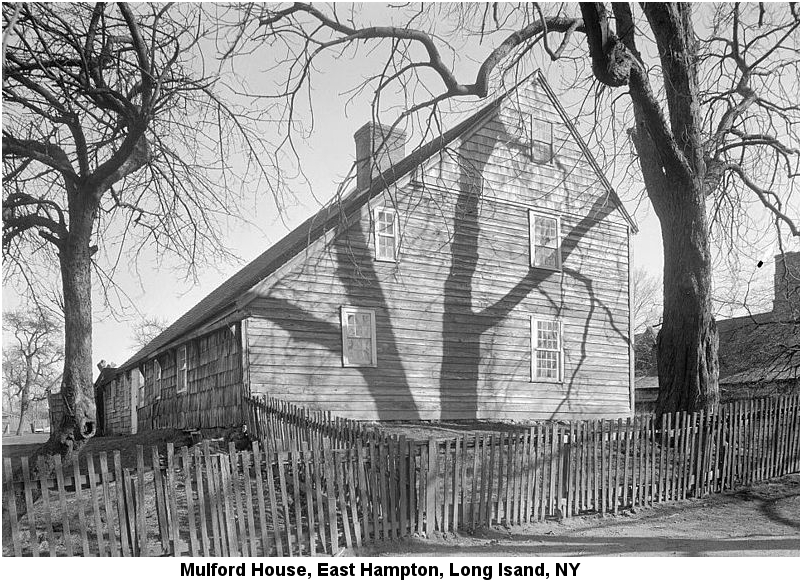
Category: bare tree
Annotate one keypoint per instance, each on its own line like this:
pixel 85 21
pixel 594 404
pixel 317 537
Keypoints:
pixel 147 329
pixel 646 299
pixel 114 137
pixel 711 115
pixel 32 358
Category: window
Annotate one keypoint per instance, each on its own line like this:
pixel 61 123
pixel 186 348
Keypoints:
pixel 156 378
pixel 545 238
pixel 358 337
pixel 385 234
pixel 541 140
pixel 547 351
pixel 182 369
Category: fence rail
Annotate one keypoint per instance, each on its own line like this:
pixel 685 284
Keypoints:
pixel 315 484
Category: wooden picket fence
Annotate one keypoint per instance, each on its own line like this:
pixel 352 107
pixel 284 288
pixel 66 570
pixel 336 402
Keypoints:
pixel 316 484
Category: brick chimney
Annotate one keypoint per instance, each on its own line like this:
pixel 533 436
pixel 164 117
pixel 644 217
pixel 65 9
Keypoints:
pixel 376 151
pixel 787 286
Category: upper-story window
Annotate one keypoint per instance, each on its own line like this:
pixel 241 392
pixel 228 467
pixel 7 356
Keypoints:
pixel 547 352
pixel 358 337
pixel 541 140
pixel 386 234
pixel 545 240
pixel 182 368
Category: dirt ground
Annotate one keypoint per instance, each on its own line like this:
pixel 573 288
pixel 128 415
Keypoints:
pixel 763 520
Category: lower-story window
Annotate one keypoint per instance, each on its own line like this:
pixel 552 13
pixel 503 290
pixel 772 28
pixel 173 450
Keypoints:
pixel 547 350
pixel 358 337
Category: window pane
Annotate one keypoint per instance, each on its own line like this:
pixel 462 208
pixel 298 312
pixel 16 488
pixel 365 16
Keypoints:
pixel 545 233
pixel 386 223
pixel 359 351
pixel 385 247
pixel 547 335
pixel 546 257
pixel 547 364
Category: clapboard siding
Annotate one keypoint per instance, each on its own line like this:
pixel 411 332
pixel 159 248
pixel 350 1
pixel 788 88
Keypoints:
pixel 453 314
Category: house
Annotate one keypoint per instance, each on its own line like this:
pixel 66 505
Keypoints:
pixel 759 354
pixel 485 274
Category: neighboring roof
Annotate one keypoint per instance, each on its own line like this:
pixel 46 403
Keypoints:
pixel 758 346
pixel 224 296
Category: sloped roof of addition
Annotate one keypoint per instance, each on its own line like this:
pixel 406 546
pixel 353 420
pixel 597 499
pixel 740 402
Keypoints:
pixel 329 216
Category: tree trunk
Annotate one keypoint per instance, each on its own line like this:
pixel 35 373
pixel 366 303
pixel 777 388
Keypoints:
pixel 24 397
pixel 688 368
pixel 78 422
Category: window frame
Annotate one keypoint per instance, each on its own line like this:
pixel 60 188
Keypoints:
pixel 377 236
pixel 532 215
pixel 182 372
pixel 535 320
pixel 344 311
pixel 534 140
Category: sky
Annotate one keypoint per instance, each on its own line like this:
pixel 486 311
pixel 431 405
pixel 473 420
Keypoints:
pixel 326 156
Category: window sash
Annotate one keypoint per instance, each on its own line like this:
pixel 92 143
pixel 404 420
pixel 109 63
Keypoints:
pixel 545 240
pixel 359 348
pixel 547 350
pixel 386 234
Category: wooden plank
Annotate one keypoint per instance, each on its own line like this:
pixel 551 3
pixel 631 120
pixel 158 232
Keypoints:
pixel 129 494
pixel 295 460
pixel 431 485
pixel 262 505
pixel 329 487
pixel 625 471
pixel 458 480
pixel 62 500
pixel 11 506
pixel 698 445
pixel 529 468
pixel 160 500
pixel 375 485
pixel 618 457
pixel 238 504
pixel 186 463
pixel 473 504
pixel 486 441
pixel 555 469
pixel 202 503
pixel 141 522
pixel 338 464
pixel 28 485
pixel 226 489
pixel 502 481
pixel 445 487
pixel 112 537
pixel 76 473
pixel 651 442
pixel 383 480
pixel 363 493
pixel 269 459
pixel 215 503
pixel 539 473
pixel 402 458
pixel 172 497
pixel 349 475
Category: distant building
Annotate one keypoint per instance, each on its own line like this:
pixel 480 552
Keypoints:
pixel 759 354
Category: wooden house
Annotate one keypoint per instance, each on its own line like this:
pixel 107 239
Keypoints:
pixel 485 274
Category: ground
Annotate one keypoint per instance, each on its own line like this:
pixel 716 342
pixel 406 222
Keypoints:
pixel 762 520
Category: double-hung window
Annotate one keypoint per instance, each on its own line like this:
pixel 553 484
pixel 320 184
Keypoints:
pixel 358 337
pixel 541 140
pixel 182 368
pixel 386 234
pixel 545 240
pixel 547 350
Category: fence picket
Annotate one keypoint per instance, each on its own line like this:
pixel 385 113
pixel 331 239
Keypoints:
pixel 28 485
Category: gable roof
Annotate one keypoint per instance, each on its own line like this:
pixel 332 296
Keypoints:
pixel 330 215
pixel 758 348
